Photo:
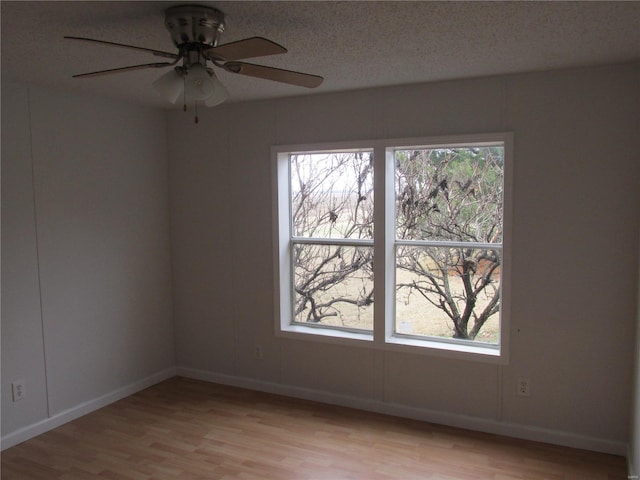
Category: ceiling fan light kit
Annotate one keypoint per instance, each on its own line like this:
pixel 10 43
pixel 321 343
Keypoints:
pixel 169 86
pixel 195 31
pixel 220 93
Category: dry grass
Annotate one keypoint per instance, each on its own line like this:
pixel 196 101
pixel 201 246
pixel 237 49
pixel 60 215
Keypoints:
pixel 415 315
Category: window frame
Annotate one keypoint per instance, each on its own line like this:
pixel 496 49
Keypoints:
pixel 384 243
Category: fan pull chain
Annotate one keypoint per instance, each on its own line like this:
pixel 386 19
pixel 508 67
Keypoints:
pixel 184 100
pixel 184 93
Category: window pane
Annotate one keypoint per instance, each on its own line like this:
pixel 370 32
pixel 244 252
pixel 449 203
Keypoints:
pixel 332 195
pixel 333 285
pixel 452 194
pixel 448 292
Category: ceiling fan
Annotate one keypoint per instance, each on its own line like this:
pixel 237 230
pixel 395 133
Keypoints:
pixel 195 31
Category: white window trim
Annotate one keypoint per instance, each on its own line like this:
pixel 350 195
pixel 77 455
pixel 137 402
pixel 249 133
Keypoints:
pixel 383 337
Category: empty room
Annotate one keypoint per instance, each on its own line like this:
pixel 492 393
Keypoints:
pixel 320 240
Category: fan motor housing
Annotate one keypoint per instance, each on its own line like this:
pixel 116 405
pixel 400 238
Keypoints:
pixel 189 24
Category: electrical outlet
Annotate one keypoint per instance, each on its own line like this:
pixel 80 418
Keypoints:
pixel 524 389
pixel 18 390
pixel 257 352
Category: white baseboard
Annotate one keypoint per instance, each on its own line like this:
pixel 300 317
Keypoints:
pixel 443 418
pixel 82 409
pixel 486 425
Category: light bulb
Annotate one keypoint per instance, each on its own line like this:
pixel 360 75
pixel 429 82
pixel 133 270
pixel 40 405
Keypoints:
pixel 198 85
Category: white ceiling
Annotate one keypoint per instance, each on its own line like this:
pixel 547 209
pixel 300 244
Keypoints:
pixel 352 44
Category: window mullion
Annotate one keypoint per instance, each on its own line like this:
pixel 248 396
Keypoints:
pixel 383 239
pixel 390 248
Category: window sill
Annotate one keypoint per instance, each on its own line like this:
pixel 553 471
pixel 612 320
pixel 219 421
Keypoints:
pixel 327 335
pixel 484 353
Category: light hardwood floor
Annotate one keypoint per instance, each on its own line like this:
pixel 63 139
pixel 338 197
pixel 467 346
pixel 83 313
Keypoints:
pixel 195 430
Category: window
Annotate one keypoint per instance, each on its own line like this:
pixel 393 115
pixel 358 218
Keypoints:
pixel 331 196
pixel 421 226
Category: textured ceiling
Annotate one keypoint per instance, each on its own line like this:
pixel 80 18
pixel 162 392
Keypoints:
pixel 352 44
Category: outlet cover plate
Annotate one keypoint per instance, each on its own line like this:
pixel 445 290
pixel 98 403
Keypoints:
pixel 524 388
pixel 18 390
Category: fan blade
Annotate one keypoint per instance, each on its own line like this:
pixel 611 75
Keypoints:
pixel 275 74
pixel 157 53
pixel 123 69
pixel 247 48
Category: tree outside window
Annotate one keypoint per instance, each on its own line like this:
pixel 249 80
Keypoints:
pixel 449 224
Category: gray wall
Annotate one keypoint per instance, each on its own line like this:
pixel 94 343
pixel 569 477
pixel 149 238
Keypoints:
pixel 575 246
pixel 87 281
pixel 86 286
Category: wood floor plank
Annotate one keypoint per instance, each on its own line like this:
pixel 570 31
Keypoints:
pixel 187 429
